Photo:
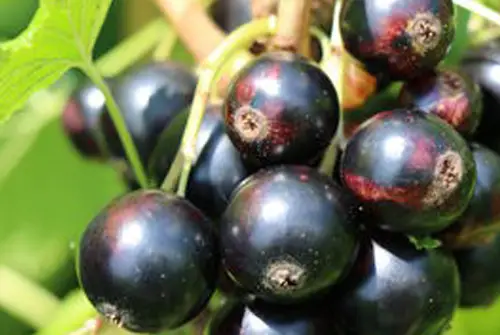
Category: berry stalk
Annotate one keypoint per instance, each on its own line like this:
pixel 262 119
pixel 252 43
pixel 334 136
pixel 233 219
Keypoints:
pixel 294 17
pixel 240 38
pixel 335 65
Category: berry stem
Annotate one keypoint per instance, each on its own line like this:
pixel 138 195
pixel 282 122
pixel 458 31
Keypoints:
pixel 479 9
pixel 117 118
pixel 294 17
pixel 25 299
pixel 335 65
pixel 200 38
pixel 165 47
pixel 208 70
pixel 132 49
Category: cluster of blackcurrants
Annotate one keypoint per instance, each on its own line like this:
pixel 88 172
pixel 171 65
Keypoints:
pixel 296 251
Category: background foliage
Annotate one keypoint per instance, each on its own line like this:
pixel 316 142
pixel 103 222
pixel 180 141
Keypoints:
pixel 46 201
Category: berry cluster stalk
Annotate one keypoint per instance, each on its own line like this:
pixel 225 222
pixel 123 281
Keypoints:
pixel 337 66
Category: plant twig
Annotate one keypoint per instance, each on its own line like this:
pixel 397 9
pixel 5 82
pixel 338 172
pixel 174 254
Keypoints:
pixel 193 26
pixel 294 18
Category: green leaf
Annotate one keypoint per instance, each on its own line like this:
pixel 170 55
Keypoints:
pixel 424 242
pixel 61 35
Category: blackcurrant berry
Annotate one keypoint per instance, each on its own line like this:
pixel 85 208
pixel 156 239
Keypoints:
pixel 149 98
pixel 397 289
pixel 218 168
pixel 281 109
pixel 288 233
pixel 483 65
pixel 415 170
pixel 148 261
pixel 479 275
pixel 449 94
pixel 80 120
pixel 230 14
pixel 401 38
pixel 483 211
pixel 235 318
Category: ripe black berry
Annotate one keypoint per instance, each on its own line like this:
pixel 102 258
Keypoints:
pixel 235 318
pixel 148 261
pixel 479 275
pixel 483 212
pixel 449 94
pixel 230 14
pixel 81 117
pixel 281 109
pixel 401 38
pixel 413 168
pixel 288 233
pixel 218 168
pixel 396 289
pixel 149 98
pixel 483 65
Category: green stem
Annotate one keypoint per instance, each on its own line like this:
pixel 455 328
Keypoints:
pixel 240 38
pixel 132 49
pixel 25 299
pixel 329 158
pixel 119 122
pixel 479 9
pixel 71 315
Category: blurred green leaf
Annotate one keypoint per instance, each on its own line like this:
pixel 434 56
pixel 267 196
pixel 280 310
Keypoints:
pixel 61 35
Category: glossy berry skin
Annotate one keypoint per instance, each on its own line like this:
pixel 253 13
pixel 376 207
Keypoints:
pixel 288 233
pixel 235 318
pixel 230 14
pixel 80 120
pixel 281 109
pixel 479 275
pixel 218 169
pixel 449 94
pixel 483 65
pixel 402 38
pixel 477 224
pixel 148 261
pixel 149 97
pixel 397 289
pixel 412 168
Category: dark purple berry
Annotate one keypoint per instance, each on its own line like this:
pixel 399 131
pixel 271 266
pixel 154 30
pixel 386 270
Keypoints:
pixel 80 119
pixel 148 261
pixel 402 38
pixel 235 318
pixel 397 289
pixel 230 14
pixel 481 219
pixel 449 94
pixel 149 98
pixel 281 108
pixel 288 233
pixel 218 168
pixel 483 65
pixel 415 170
pixel 479 275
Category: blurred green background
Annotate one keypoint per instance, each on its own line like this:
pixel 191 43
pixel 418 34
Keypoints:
pixel 51 194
